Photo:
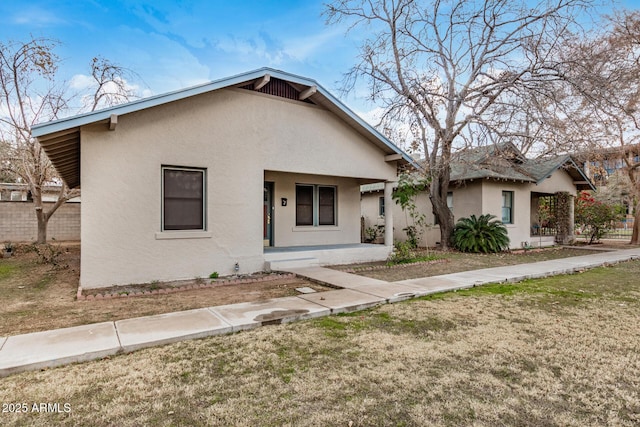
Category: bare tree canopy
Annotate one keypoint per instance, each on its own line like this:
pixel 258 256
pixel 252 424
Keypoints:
pixel 444 67
pixel 29 94
pixel 603 72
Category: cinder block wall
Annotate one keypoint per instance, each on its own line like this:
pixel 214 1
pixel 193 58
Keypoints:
pixel 18 222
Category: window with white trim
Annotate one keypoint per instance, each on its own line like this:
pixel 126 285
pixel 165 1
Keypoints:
pixel 183 198
pixel 507 207
pixel 315 205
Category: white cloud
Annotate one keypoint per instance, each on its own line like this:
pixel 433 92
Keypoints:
pixel 37 17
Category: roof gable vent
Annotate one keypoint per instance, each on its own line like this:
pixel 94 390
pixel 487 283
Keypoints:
pixel 277 87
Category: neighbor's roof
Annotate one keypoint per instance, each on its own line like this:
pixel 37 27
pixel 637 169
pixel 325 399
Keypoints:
pixel 61 139
pixel 505 162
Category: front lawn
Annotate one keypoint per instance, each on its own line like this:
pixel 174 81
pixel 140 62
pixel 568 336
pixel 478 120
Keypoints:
pixel 559 351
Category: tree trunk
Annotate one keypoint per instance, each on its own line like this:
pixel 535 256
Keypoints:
pixel 635 238
pixel 43 221
pixel 438 196
pixel 42 215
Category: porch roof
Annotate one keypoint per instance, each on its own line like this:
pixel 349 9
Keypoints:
pixel 61 139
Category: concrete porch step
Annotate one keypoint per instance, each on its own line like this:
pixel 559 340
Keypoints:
pixel 281 264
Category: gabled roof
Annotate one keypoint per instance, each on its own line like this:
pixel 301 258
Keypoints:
pixel 60 139
pixel 505 162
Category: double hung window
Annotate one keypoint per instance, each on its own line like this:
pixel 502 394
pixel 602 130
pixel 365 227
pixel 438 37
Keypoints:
pixel 315 205
pixel 507 207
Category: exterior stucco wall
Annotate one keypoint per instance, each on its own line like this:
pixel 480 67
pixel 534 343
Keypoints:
pixel 235 135
pixel 519 231
pixel 557 182
pixel 477 198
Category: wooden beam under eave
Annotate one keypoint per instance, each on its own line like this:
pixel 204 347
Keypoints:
pixel 307 93
pixel 113 121
pixel 261 82
pixel 393 157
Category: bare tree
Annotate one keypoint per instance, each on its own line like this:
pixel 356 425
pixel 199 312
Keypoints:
pixel 441 66
pixel 30 94
pixel 110 84
pixel 603 73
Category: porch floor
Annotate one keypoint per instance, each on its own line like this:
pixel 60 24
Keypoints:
pixel 279 249
pixel 277 258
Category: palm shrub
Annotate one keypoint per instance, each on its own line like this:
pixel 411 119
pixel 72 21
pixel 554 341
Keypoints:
pixel 483 234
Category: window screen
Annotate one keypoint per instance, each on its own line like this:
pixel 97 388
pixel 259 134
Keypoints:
pixel 304 205
pixel 183 199
pixel 326 205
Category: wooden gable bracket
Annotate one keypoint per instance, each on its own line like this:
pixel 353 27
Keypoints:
pixel 261 82
pixel 307 93
pixel 113 121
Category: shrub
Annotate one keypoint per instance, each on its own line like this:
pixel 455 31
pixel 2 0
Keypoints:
pixel 593 217
pixel 402 253
pixel 483 234
pixel 214 275
pixel 48 254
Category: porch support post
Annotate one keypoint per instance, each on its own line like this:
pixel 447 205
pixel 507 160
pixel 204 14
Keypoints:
pixel 572 220
pixel 388 214
pixel 565 218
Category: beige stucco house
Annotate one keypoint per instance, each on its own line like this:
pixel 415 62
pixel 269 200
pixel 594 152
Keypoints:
pixel 238 175
pixel 495 180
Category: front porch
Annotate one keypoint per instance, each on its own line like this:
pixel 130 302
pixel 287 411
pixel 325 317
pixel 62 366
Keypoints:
pixel 319 255
pixel 552 219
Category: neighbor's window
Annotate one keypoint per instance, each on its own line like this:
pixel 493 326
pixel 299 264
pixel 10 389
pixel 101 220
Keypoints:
pixel 315 205
pixel 183 198
pixel 381 206
pixel 507 207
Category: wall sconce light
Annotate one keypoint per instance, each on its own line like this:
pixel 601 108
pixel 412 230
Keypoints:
pixel 236 267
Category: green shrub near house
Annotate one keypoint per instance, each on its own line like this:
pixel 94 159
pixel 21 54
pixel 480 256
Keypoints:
pixel 484 234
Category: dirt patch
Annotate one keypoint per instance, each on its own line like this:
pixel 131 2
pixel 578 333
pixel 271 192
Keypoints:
pixel 36 297
pixel 455 262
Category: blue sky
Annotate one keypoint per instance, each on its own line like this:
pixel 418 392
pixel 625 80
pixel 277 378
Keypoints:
pixel 179 43
pixel 175 44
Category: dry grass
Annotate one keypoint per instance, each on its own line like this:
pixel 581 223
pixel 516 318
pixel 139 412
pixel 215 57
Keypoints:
pixel 560 351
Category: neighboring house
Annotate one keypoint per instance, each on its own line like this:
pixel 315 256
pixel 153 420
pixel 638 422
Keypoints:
pixel 16 192
pixel 239 175
pixel 495 180
pixel 601 165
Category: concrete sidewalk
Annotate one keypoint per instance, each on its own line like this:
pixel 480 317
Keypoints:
pixel 88 342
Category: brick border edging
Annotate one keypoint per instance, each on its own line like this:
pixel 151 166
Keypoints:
pixel 388 267
pixel 171 290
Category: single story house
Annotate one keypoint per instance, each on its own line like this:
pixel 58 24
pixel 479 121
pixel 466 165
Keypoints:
pixel 237 175
pixel 495 180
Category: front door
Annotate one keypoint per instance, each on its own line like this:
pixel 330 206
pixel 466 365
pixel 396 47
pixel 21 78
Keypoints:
pixel 268 214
